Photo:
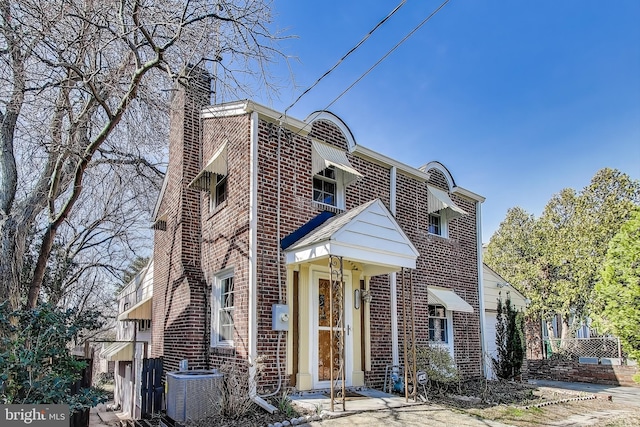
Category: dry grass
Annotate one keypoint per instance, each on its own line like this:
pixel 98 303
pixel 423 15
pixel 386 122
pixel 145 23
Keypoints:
pixel 523 405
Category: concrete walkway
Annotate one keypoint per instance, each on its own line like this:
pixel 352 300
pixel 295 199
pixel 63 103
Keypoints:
pixel 101 416
pixel 382 409
pixel 392 411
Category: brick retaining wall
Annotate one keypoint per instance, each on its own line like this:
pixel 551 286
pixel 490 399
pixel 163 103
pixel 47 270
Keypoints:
pixel 566 370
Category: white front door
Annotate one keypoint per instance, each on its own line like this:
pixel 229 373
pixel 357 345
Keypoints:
pixel 321 333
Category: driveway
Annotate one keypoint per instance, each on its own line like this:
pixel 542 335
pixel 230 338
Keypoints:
pixel 627 395
pixel 436 416
pixel 408 416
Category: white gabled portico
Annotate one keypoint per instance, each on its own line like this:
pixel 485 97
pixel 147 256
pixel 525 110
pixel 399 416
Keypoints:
pixel 369 242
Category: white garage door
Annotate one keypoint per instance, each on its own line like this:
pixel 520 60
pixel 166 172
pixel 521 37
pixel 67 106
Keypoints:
pixel 490 342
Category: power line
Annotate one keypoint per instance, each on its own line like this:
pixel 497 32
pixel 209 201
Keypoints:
pixel 346 55
pixel 424 21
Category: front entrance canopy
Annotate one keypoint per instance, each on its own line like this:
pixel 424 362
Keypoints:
pixel 367 235
pixel 449 299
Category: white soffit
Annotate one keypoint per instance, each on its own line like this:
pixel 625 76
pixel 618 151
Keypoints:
pixel 368 234
pixel 325 155
pixel 449 299
pixel 216 165
pixel 441 201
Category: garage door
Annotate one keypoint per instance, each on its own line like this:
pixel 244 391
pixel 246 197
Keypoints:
pixel 490 342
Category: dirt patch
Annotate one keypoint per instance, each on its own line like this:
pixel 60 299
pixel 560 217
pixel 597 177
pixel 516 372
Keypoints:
pixel 525 405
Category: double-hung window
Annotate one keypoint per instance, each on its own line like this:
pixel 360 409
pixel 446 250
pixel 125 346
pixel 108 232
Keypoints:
pixel 441 210
pixel 325 187
pixel 332 173
pixel 435 224
pixel 438 325
pixel 223 310
pixel 218 192
pixel 213 178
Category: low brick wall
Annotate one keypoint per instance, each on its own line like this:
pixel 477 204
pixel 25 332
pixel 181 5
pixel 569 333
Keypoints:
pixel 566 370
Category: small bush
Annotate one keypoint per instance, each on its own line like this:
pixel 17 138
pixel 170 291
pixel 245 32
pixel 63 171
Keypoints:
pixel 36 365
pixel 235 401
pixel 440 367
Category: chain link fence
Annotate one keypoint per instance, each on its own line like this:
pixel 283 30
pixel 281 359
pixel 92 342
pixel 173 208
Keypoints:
pixel 574 348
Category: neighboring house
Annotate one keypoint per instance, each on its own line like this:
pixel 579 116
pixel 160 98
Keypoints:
pixel 133 337
pixel 254 207
pixel 496 288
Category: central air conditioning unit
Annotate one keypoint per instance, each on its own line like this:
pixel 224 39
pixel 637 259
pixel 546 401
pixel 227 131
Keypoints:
pixel 193 395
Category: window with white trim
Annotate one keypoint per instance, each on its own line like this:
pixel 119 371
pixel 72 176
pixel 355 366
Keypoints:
pixel 218 191
pixel 438 324
pixel 441 327
pixel 223 306
pixel 325 187
pixel 435 224
pixel 144 325
pixel 125 307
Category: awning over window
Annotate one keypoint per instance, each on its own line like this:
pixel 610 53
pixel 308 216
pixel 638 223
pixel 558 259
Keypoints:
pixel 449 299
pixel 161 222
pixel 118 351
pixel 440 200
pixel 217 165
pixel 325 155
pixel 140 311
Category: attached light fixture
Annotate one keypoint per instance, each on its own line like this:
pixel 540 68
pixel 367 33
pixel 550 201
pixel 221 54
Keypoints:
pixel 361 294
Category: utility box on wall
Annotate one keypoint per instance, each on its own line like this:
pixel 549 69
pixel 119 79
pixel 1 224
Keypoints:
pixel 280 317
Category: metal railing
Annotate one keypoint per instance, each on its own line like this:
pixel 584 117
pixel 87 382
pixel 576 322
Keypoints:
pixel 600 347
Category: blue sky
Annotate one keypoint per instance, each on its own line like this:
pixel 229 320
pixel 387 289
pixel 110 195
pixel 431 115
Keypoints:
pixel 517 99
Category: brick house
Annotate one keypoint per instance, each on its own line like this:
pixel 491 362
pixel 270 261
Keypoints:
pixel 254 207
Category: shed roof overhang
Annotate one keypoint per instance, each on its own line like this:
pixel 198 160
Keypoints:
pixel 118 351
pixel 140 311
pixel 216 165
pixel 325 155
pixel 449 299
pixel 367 235
pixel 442 202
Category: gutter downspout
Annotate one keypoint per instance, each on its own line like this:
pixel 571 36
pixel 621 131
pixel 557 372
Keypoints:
pixel 133 370
pixel 484 366
pixel 395 353
pixel 253 272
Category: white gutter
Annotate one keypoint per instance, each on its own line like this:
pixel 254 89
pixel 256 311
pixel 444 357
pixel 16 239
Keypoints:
pixel 484 366
pixel 395 353
pixel 388 162
pixel 253 275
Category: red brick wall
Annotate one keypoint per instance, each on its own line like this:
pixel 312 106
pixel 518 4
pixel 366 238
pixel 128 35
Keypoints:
pixel 225 228
pixel 179 313
pixel 225 238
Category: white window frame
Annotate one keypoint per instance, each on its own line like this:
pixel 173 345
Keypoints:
pixel 125 307
pixel 216 179
pixel 216 308
pixel 449 335
pixel 339 186
pixel 444 226
pixel 144 325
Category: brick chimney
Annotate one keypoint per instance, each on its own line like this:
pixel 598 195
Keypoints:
pixel 180 296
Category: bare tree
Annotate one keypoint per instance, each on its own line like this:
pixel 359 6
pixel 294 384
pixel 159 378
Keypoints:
pixel 82 90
